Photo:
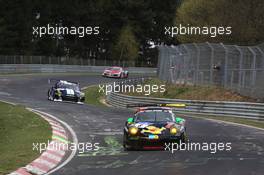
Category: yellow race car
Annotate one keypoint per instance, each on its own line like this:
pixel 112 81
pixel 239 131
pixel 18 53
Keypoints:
pixel 152 127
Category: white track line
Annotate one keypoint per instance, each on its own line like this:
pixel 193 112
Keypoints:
pixel 74 137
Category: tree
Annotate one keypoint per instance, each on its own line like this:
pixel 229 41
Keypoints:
pixel 245 17
pixel 126 47
pixel 145 18
pixel 15 30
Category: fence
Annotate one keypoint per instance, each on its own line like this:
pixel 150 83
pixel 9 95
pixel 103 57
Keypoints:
pixel 216 108
pixel 238 68
pixel 6 59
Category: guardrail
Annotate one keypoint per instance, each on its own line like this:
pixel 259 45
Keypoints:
pixel 49 68
pixel 217 108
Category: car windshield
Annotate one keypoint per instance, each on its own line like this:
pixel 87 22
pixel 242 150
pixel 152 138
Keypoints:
pixel 115 68
pixel 75 87
pixel 154 116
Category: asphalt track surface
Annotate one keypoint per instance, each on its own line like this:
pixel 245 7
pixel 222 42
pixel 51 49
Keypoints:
pixel 105 126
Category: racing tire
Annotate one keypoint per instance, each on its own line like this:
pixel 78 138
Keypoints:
pixel 126 75
pixel 184 138
pixel 82 100
pixel 125 145
pixel 50 97
pixel 121 76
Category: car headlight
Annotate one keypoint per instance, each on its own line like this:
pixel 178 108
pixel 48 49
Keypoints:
pixel 133 130
pixel 173 130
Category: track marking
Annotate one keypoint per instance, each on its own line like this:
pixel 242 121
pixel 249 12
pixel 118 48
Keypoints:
pixel 74 138
pixel 40 165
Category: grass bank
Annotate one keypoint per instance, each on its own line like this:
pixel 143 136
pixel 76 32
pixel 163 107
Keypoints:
pixel 19 129
pixel 93 96
pixel 188 92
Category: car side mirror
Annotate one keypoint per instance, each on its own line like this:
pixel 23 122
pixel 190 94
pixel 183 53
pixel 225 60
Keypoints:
pixel 130 120
pixel 179 120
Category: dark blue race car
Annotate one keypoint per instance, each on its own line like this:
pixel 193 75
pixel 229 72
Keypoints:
pixel 65 91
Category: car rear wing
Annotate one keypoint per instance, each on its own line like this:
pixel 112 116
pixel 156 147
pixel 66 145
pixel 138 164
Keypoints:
pixel 170 105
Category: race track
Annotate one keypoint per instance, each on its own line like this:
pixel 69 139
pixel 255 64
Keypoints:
pixel 105 126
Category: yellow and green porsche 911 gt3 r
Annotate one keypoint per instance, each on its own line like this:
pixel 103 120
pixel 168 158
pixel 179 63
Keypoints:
pixel 152 128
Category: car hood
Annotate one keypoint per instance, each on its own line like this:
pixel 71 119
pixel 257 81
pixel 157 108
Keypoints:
pixel 142 125
pixel 115 71
pixel 158 128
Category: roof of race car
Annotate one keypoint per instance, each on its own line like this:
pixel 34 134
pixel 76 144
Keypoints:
pixel 114 67
pixel 67 82
pixel 153 109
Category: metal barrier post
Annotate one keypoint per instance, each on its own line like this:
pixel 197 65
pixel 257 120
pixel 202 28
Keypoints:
pixel 197 63
pixel 166 67
pixel 226 60
pixel 253 68
pixel 211 62
pixel 241 56
pixel 185 65
pixel 262 53
pixel 171 71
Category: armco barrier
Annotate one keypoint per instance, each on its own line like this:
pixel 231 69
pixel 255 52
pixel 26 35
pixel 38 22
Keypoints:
pixel 48 68
pixel 219 108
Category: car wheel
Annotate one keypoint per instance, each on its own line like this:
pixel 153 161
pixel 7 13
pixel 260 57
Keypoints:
pixel 50 97
pixel 126 148
pixel 125 145
pixel 183 138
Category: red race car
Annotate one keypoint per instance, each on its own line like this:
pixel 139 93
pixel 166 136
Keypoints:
pixel 115 72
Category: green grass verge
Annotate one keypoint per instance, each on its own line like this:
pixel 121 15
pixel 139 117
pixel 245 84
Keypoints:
pixel 249 122
pixel 19 129
pixel 93 96
pixel 189 92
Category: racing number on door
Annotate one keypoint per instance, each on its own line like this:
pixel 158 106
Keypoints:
pixel 70 92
